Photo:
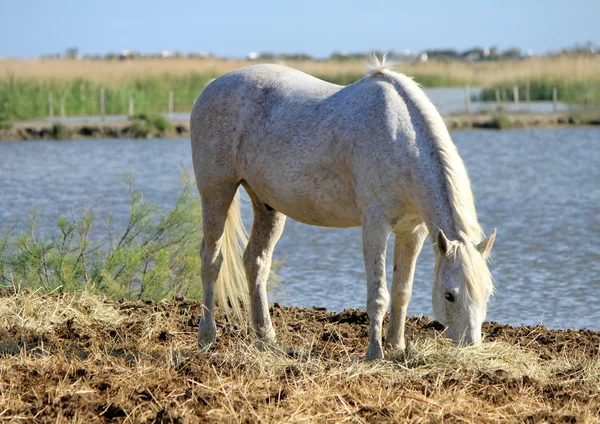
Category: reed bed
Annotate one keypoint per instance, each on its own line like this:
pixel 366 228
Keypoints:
pixel 114 72
pixel 144 85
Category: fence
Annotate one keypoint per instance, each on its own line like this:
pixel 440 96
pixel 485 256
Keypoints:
pixel 27 99
pixel 102 106
pixel 515 97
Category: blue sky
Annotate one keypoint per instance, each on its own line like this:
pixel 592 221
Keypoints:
pixel 29 28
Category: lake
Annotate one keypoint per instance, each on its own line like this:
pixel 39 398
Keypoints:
pixel 539 187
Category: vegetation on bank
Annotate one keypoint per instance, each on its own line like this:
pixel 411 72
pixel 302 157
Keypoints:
pixel 76 85
pixel 22 99
pixel 144 123
pixel 583 92
pixel 155 256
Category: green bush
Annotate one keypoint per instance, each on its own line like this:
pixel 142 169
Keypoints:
pixel 502 122
pixel 60 131
pixel 155 256
pixel 148 122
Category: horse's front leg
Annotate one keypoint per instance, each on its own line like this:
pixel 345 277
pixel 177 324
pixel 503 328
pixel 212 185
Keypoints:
pixel 406 250
pixel 375 232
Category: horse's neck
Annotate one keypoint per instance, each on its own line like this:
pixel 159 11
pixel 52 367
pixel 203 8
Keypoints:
pixel 440 177
pixel 437 214
pixel 435 203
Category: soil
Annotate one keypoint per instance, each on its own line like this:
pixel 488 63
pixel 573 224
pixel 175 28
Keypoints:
pixel 147 368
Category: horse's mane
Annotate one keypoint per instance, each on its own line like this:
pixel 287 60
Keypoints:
pixel 456 179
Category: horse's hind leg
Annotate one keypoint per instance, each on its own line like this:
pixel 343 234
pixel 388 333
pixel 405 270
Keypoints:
pixel 406 251
pixel 376 231
pixel 266 229
pixel 215 205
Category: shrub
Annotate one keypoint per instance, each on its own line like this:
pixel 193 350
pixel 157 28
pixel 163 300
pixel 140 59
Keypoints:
pixel 502 121
pixel 147 122
pixel 155 256
pixel 60 131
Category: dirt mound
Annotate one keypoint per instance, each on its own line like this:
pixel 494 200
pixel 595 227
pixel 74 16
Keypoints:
pixel 72 358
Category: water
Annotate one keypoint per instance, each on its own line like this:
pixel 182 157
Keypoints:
pixel 540 188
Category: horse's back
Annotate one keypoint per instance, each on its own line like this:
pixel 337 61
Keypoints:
pixel 310 149
pixel 237 107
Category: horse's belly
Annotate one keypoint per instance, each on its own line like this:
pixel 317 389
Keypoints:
pixel 325 203
pixel 323 215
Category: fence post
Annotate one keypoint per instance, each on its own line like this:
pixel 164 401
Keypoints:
pixel 131 107
pixel 516 95
pixel 62 109
pixel 50 106
pixel 102 110
pixel 554 99
pixel 468 99
pixel 170 111
pixel 586 95
pixel 497 91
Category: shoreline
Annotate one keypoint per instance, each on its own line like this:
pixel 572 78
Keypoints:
pixel 57 130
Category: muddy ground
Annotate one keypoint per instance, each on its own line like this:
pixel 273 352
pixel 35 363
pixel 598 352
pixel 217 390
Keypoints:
pixel 69 359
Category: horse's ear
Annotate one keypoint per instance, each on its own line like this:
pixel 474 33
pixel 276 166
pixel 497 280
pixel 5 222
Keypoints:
pixel 485 246
pixel 442 243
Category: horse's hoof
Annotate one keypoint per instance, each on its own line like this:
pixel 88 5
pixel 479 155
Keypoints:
pixel 268 344
pixel 398 347
pixel 374 353
pixel 204 346
pixel 207 335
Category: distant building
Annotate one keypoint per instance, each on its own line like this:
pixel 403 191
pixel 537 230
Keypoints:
pixel 407 56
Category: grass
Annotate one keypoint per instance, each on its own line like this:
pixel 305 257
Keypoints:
pixel 81 358
pixel 75 85
pixel 28 98
pixel 585 92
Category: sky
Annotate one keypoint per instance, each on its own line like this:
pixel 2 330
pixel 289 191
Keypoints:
pixel 29 28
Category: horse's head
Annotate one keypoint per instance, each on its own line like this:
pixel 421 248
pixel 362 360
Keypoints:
pixel 462 287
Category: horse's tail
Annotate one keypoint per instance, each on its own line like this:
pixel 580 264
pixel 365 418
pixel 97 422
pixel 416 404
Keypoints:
pixel 231 286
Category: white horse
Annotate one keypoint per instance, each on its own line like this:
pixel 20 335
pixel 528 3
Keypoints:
pixel 374 154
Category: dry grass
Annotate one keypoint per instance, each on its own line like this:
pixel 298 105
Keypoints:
pixel 89 360
pixel 572 68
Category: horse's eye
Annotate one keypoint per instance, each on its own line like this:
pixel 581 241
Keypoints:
pixel 449 297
